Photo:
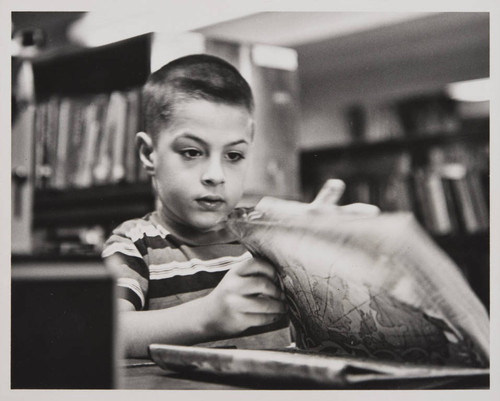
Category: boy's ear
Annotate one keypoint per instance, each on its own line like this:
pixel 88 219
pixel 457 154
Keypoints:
pixel 144 144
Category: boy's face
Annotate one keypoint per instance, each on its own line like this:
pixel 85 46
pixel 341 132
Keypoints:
pixel 200 162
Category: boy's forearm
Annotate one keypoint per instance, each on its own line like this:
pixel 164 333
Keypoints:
pixel 185 324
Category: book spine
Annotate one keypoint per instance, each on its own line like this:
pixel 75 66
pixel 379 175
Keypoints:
pixel 89 146
pixel 466 205
pixel 478 200
pixel 40 144
pixel 52 135
pixel 438 204
pixel 62 143
pixel 102 166
pixel 117 173
pixel 452 206
pixel 131 154
pixel 75 141
pixel 423 208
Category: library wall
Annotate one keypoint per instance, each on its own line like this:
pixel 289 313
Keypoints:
pixel 381 67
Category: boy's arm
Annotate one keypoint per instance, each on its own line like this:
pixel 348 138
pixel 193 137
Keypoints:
pixel 182 325
pixel 247 296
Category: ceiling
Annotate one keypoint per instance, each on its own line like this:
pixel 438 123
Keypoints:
pixel 300 28
pixel 326 42
pixel 330 42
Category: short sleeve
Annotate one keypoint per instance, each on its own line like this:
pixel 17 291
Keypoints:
pixel 122 256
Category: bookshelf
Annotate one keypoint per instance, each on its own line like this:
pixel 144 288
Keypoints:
pixel 83 175
pixel 440 173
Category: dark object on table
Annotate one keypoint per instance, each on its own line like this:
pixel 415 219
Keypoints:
pixel 63 327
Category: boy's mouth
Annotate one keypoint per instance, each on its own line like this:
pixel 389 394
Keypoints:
pixel 211 203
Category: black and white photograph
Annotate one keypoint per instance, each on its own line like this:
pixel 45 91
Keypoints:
pixel 252 198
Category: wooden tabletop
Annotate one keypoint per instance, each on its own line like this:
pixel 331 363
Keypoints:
pixel 145 374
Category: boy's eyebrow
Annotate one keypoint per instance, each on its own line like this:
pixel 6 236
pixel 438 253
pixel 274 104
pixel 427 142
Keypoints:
pixel 202 142
pixel 193 137
pixel 244 141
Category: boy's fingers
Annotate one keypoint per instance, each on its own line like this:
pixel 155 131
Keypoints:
pixel 261 319
pixel 256 266
pixel 264 305
pixel 330 193
pixel 260 285
pixel 360 209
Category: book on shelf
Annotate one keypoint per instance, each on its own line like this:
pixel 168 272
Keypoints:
pixel 52 129
pixel 92 127
pixel 104 163
pixel 133 127
pixel 117 172
pixel 40 141
pixel 468 213
pixel 63 134
pixel 453 206
pixel 422 201
pixel 75 139
pixel 479 198
pixel 438 207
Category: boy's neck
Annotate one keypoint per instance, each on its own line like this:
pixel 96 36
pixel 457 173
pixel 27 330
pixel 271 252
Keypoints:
pixel 193 236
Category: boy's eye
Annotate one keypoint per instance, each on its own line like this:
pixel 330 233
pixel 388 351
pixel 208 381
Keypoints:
pixel 190 153
pixel 234 156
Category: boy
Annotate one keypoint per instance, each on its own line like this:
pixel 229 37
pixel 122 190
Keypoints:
pixel 184 279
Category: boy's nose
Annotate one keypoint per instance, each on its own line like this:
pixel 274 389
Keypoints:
pixel 213 175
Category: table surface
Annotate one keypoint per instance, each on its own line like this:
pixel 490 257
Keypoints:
pixel 145 374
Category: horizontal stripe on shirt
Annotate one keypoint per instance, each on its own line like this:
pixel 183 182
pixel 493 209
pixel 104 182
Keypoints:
pixel 123 247
pixel 193 266
pixel 123 264
pixel 182 284
pixel 132 285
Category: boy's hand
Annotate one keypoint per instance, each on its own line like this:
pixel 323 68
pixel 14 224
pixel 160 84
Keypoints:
pixel 246 297
pixel 330 194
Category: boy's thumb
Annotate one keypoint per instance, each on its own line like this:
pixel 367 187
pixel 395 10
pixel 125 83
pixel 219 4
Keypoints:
pixel 330 193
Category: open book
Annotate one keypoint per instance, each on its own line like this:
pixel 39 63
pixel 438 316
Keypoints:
pixel 367 288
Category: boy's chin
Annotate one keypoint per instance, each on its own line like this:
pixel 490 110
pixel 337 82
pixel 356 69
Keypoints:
pixel 209 223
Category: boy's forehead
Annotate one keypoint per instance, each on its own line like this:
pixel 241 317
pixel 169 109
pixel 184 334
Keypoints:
pixel 198 107
pixel 212 115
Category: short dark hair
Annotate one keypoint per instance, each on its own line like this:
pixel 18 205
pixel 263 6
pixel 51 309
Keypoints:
pixel 194 77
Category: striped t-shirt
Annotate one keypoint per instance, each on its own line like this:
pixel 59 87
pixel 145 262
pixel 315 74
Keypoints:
pixel 158 267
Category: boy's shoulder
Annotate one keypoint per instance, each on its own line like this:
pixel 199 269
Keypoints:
pixel 136 236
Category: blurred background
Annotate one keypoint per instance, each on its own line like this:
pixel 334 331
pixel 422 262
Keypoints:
pixel 395 104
